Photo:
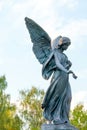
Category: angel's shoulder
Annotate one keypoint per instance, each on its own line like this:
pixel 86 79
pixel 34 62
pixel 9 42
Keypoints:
pixel 57 51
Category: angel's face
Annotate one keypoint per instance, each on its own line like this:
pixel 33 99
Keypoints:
pixel 65 43
pixel 64 47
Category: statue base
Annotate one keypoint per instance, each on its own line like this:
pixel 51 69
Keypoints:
pixel 58 127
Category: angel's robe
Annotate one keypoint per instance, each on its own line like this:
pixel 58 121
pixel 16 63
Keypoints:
pixel 58 96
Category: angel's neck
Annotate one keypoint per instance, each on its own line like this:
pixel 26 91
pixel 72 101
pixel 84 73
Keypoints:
pixel 60 50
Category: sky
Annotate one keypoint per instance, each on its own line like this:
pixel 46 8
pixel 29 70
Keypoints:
pixel 17 60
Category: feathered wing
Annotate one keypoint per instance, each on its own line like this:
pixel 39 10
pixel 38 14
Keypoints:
pixel 41 40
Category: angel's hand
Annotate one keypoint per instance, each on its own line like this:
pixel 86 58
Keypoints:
pixel 74 76
pixel 71 72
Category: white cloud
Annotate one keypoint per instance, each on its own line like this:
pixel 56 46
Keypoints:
pixel 82 74
pixel 76 30
pixel 1 5
pixel 32 6
pixel 79 97
pixel 71 4
pixel 42 12
pixel 4 4
pixel 1 61
pixel 45 14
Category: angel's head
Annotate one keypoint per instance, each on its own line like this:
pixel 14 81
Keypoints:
pixel 61 43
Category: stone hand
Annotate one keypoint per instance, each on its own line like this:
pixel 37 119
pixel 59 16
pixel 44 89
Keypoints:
pixel 71 72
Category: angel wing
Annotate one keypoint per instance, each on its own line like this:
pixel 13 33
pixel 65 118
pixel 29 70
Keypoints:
pixel 41 40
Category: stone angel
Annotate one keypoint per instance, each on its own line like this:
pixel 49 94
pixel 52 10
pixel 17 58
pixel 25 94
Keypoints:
pixel 56 103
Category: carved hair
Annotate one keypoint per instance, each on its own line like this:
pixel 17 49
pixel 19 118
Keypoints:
pixel 56 42
pixel 59 41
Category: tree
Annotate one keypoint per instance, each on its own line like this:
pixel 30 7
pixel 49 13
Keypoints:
pixel 31 111
pixel 9 120
pixel 79 117
pixel 31 108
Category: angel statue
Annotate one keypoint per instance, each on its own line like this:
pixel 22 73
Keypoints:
pixel 56 103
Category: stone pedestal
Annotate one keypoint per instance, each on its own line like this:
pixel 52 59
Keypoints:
pixel 57 127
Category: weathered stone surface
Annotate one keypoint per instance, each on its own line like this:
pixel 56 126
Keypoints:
pixel 57 127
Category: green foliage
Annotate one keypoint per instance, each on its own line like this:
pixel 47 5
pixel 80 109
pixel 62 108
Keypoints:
pixel 79 117
pixel 8 117
pixel 31 107
pixel 3 83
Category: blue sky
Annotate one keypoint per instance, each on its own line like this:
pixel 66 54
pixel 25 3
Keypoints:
pixel 57 17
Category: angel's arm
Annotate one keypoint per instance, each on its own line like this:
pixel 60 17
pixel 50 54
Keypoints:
pixel 68 65
pixel 58 64
pixel 61 67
